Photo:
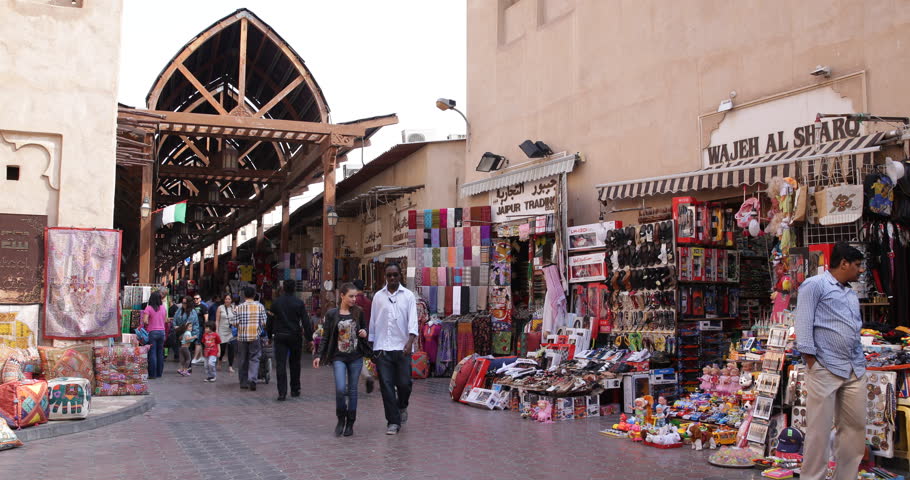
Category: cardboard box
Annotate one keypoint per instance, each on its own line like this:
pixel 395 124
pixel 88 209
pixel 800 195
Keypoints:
pixel 593 405
pixel 565 409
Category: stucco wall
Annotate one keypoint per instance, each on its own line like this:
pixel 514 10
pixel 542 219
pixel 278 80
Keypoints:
pixel 59 70
pixel 624 82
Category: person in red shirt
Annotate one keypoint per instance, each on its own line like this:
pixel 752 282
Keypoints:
pixel 211 344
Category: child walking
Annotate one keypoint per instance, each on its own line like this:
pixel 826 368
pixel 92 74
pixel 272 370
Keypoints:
pixel 211 342
pixel 185 334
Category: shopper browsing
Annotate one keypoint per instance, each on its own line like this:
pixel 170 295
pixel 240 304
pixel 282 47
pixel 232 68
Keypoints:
pixel 828 323
pixel 224 325
pixel 211 343
pixel 153 318
pixel 251 319
pixel 393 328
pixel 345 346
pixel 287 328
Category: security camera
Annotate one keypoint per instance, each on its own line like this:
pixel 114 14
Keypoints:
pixel 821 71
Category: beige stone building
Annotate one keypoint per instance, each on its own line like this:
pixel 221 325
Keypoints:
pixel 59 65
pixel 635 87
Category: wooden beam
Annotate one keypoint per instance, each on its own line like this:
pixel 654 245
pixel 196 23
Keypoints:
pixel 188 142
pixel 285 219
pixel 328 231
pixel 241 79
pixel 279 97
pixel 229 175
pixel 222 202
pixel 265 126
pixel 260 232
pixel 146 231
pixel 201 88
pixel 234 245
pixel 216 283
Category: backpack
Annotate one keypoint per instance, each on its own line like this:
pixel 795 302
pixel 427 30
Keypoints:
pixel 879 193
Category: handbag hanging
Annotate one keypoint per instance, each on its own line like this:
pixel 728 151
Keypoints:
pixel 841 203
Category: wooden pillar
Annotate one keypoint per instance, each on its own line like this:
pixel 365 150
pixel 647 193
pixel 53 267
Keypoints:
pixel 190 268
pixel 146 230
pixel 234 245
pixel 216 280
pixel 285 219
pixel 201 264
pixel 328 232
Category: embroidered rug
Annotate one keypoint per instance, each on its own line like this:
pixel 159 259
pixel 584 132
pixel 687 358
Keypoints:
pixel 19 325
pixel 82 269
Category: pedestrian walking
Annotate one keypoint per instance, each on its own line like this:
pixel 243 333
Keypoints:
pixel 211 343
pixel 251 319
pixel 186 314
pixel 202 310
pixel 185 334
pixel 153 319
pixel 345 346
pixel 828 323
pixel 225 324
pixel 288 325
pixel 393 328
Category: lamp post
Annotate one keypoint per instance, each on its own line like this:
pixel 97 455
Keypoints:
pixel 449 104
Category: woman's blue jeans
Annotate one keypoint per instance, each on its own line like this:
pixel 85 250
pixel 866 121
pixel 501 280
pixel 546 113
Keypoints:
pixel 156 353
pixel 347 373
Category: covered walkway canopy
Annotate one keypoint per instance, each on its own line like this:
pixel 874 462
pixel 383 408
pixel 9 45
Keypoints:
pixel 241 126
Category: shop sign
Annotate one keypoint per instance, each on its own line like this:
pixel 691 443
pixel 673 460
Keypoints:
pixel 587 268
pixel 372 240
pixel 21 258
pixel 584 237
pixel 524 199
pixel 779 125
pixel 400 228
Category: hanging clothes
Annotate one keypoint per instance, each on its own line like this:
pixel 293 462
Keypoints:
pixel 554 309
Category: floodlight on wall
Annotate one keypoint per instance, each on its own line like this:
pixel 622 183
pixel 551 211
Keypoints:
pixel 536 149
pixel 490 162
pixel 331 216
pixel 146 208
pixel 821 71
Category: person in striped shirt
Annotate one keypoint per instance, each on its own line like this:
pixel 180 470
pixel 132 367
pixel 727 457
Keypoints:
pixel 828 322
pixel 250 319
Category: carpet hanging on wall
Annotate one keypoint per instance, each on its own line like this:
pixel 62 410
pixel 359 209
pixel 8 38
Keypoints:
pixel 82 274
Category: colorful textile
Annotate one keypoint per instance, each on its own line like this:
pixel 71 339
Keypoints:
pixel 8 438
pixel 121 370
pixel 420 365
pixel 19 325
pixel 73 363
pixel 11 371
pixel 23 404
pixel 427 219
pixel 447 350
pixel 482 329
pixel 502 343
pixel 431 341
pixel 434 238
pixel 50 356
pixel 453 257
pixel 70 398
pixel 82 278
pixel 443 218
pixel 465 339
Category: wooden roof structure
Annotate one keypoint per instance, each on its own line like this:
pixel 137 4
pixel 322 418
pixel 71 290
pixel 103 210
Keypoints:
pixel 241 124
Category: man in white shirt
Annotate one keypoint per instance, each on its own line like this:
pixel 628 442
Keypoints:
pixel 393 328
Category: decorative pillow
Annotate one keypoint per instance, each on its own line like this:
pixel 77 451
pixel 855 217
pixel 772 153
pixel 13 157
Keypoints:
pixel 50 355
pixel 73 364
pixel 30 360
pixel 8 438
pixel 5 353
pixel 12 371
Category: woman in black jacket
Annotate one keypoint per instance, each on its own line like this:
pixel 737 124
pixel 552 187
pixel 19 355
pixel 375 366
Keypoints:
pixel 344 344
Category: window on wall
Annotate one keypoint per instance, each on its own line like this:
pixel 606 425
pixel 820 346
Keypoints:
pixel 12 172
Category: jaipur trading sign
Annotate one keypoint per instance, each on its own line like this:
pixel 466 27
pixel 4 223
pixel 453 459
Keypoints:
pixel 21 258
pixel 517 202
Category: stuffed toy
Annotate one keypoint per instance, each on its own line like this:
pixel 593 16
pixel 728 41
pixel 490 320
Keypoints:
pixel 543 412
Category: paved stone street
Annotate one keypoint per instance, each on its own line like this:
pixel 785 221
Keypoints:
pixel 219 432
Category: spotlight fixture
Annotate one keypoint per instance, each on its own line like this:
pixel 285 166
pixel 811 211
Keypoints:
pixel 445 104
pixel 821 71
pixel 490 162
pixel 536 149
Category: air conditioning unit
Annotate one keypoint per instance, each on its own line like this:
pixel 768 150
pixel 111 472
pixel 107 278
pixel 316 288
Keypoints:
pixel 349 172
pixel 456 136
pixel 415 136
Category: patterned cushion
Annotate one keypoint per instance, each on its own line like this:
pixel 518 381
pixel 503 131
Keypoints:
pixel 73 364
pixel 8 438
pixel 23 404
pixel 420 365
pixel 121 370
pixel 50 355
pixel 11 371
pixel 70 398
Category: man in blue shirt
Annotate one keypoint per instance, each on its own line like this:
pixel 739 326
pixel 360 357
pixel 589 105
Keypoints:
pixel 828 322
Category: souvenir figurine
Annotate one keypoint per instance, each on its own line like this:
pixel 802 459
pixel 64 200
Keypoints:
pixel 543 412
pixel 661 410
pixel 715 378
pixel 705 379
pixel 623 424
pixel 639 408
pixel 648 418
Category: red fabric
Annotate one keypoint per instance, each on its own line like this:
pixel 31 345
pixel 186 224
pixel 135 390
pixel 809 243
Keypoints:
pixel 412 219
pixel 420 365
pixel 461 377
pixel 24 404
pixel 442 218
pixel 211 341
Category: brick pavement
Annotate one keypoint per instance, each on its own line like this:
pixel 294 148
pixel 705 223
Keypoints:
pixel 219 432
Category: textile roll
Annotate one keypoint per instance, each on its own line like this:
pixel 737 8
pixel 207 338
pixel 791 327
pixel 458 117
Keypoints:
pixel 418 258
pixel 443 219
pixel 466 276
pixel 459 256
pixel 427 219
pixel 427 237
pixel 486 214
pixel 433 299
pixel 440 300
pixel 485 239
pixel 472 299
pixel 424 293
pixel 443 237
pixel 465 339
pixel 437 255
pixel 475 255
pixel 457 280
pixel 449 299
pixel 411 278
pixel 450 235
pixel 476 278
pixel 450 277
pixel 412 219
pixel 441 276
pixel 476 216
pixel 412 239
pixel 466 237
pixel 456 300
pixel 502 343
pixel 458 218
pixel 453 256
pixel 475 236
pixel 465 293
pixel 482 328
pixel 435 218
pixel 450 214
pixel 434 237
pixel 433 278
pixel 482 293
pixel 484 256
pixel 427 257
pixel 459 237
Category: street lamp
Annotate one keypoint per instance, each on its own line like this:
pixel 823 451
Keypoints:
pixel 146 208
pixel 331 216
pixel 449 104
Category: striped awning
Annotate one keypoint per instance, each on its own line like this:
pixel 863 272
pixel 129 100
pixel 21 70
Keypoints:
pixel 748 171
pixel 549 168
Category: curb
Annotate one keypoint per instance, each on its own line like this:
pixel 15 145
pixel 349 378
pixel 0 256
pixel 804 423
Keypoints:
pixel 67 427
